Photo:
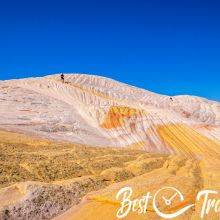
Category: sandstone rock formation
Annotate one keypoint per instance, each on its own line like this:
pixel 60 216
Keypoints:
pixel 102 112
pixel 93 134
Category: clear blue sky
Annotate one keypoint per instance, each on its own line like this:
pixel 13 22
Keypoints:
pixel 169 47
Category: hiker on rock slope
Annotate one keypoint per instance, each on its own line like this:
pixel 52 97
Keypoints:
pixel 62 77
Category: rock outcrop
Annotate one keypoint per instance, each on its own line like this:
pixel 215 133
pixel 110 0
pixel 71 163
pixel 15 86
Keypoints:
pixel 66 149
pixel 102 112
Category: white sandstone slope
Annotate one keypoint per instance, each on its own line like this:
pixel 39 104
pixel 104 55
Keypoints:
pixel 98 111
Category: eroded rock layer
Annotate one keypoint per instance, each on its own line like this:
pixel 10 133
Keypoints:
pixel 66 149
pixel 101 112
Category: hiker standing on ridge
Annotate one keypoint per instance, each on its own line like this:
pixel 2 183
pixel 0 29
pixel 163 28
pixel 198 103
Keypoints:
pixel 62 77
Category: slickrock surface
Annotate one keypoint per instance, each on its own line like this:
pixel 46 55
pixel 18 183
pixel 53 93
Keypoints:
pixel 40 179
pixel 67 148
pixel 101 112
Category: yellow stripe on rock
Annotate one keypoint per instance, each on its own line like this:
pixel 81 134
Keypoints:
pixel 183 139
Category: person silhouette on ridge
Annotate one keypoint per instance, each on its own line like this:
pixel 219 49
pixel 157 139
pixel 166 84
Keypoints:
pixel 62 77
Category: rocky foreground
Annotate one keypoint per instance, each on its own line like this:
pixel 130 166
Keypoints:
pixel 66 149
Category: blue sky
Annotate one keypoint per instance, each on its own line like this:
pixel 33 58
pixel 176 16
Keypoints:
pixel 169 47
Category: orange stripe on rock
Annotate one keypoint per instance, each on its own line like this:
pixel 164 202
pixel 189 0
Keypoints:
pixel 116 115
